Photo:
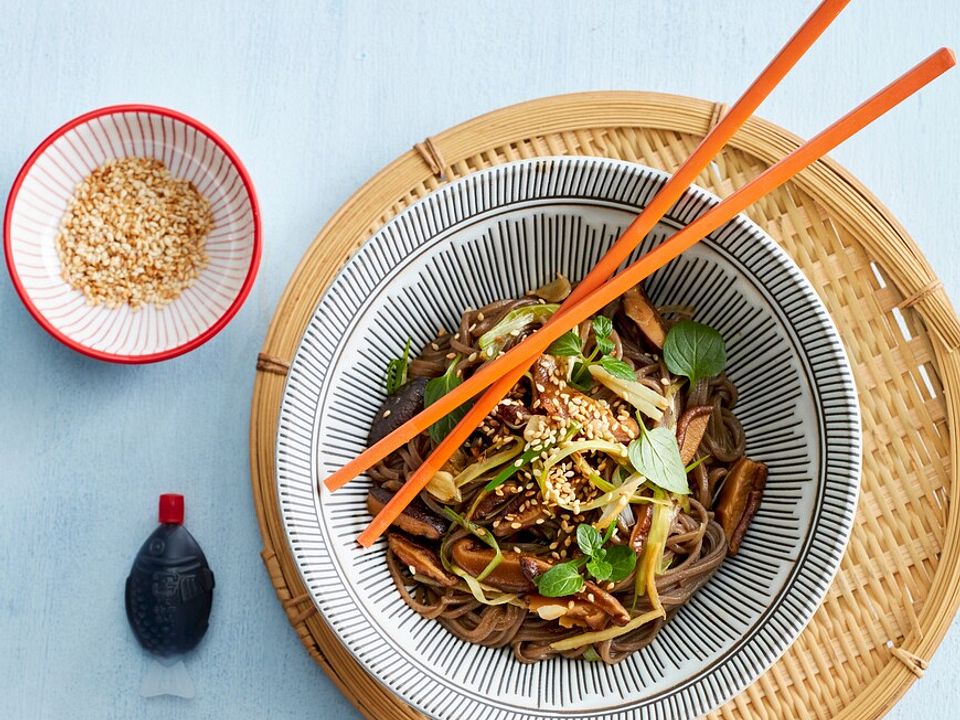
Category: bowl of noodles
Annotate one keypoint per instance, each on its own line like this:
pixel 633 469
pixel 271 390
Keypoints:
pixel 642 525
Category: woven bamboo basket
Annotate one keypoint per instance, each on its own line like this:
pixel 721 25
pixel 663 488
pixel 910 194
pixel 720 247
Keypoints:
pixel 895 594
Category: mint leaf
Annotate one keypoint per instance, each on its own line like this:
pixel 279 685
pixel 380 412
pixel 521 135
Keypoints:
pixel 602 327
pixel 436 389
pixel 622 560
pixel 605 345
pixel 600 569
pixel 567 345
pixel 694 350
pixel 589 540
pixel 560 580
pixel 656 455
pixel 617 368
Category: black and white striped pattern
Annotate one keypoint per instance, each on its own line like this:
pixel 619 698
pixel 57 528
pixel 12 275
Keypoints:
pixel 496 234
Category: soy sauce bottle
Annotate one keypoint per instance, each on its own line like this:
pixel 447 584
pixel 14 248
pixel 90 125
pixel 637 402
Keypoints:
pixel 169 592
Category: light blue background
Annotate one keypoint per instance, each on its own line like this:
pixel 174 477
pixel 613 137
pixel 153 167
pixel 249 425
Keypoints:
pixel 316 97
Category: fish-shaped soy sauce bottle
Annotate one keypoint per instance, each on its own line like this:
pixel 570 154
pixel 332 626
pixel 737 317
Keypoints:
pixel 169 594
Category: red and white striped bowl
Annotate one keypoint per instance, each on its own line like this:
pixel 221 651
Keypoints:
pixel 39 199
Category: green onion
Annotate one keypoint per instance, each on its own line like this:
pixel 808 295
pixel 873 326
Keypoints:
pixel 482 534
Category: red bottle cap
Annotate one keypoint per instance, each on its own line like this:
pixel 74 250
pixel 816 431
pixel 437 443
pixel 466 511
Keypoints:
pixel 171 508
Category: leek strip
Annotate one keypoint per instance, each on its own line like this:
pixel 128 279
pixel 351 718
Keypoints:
pixel 590 638
pixel 482 534
pixel 649 402
pixel 475 470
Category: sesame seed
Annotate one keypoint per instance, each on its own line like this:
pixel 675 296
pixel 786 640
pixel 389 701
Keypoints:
pixel 480 316
pixel 516 525
pixel 412 569
pixel 434 346
pixel 386 413
pixel 450 356
pixel 590 597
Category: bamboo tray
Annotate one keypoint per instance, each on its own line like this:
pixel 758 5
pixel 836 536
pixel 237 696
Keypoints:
pixel 894 596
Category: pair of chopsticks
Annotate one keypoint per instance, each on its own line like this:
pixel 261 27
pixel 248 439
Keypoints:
pixel 595 291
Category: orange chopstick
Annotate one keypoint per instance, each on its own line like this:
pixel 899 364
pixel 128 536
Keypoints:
pixel 524 353
pixel 711 144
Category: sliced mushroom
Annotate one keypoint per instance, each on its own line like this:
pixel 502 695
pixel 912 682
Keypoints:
pixel 532 567
pixel 416 518
pixel 641 528
pixel 512 412
pixel 556 290
pixel 637 307
pixel 740 499
pixel 559 400
pixel 581 614
pixel 397 409
pixel 514 522
pixel 691 428
pixel 423 560
pixel 495 501
pixel 474 558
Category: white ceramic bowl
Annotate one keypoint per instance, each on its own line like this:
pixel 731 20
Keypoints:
pixel 496 234
pixel 39 198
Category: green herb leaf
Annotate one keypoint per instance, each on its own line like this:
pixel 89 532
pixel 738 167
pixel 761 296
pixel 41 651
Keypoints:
pixel 589 540
pixel 581 378
pixel 605 345
pixel 694 350
pixel 567 345
pixel 560 580
pixel 602 327
pixel 622 560
pixel 656 455
pixel 396 375
pixel 436 389
pixel 617 368
pixel 600 569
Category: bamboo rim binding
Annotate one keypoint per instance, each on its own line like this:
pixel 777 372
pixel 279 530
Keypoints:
pixel 888 589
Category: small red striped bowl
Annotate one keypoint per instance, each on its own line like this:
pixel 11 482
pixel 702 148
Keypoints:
pixel 39 199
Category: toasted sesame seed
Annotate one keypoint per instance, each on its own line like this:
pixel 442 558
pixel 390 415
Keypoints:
pixel 412 569
pixel 516 525
pixel 133 234
pixel 591 598
pixel 386 413
pixel 450 355
pixel 480 316
pixel 434 346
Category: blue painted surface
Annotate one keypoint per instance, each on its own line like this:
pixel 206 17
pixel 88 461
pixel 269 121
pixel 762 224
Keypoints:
pixel 316 97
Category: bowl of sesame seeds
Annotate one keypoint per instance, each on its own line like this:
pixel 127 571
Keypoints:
pixel 132 234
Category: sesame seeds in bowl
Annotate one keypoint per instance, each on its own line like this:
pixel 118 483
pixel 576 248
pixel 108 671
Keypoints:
pixel 132 234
